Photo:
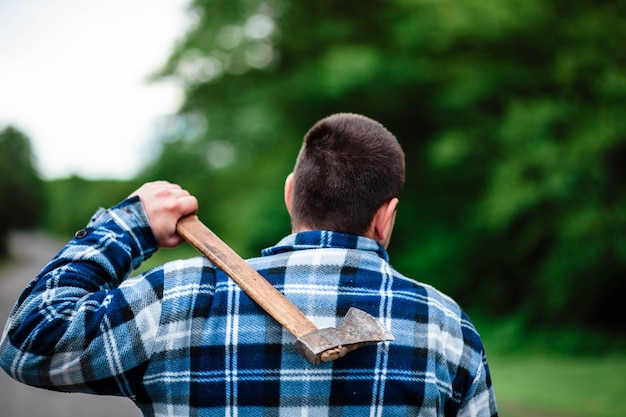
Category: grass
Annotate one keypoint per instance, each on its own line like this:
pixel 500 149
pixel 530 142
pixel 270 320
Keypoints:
pixel 560 373
pixel 574 386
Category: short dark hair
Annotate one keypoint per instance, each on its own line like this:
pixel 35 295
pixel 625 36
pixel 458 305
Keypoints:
pixel 348 166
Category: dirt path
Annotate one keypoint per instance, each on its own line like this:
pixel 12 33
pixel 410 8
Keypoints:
pixel 31 252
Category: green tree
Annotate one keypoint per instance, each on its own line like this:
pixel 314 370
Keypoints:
pixel 510 113
pixel 21 189
pixel 66 213
pixel 541 119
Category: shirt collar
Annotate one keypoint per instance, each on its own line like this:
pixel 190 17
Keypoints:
pixel 319 239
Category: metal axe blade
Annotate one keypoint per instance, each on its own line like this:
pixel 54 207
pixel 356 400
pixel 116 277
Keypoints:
pixel 356 330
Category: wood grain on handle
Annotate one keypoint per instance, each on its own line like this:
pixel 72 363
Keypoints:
pixel 246 277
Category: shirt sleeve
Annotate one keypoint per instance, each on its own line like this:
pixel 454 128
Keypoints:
pixel 81 324
pixel 480 400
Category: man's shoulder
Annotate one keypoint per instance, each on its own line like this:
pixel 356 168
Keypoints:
pixel 440 305
pixel 184 273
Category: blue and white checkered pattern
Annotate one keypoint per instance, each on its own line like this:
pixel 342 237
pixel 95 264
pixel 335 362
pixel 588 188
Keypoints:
pixel 183 340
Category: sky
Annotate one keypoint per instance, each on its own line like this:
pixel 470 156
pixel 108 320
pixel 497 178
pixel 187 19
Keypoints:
pixel 73 78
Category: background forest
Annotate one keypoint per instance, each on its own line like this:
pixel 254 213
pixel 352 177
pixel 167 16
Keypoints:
pixel 511 114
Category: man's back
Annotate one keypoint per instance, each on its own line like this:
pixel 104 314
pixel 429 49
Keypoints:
pixel 220 350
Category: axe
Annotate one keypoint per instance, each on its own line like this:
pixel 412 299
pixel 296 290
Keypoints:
pixel 357 328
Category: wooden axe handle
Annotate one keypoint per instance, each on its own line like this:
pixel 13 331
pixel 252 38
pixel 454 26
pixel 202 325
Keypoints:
pixel 246 277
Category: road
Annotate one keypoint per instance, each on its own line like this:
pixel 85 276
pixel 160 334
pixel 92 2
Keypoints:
pixel 31 252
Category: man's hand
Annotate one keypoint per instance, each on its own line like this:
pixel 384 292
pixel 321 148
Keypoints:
pixel 165 203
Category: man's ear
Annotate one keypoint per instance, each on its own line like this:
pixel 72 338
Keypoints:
pixel 384 220
pixel 288 190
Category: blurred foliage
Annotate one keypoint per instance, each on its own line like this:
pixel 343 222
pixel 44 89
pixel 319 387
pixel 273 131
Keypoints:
pixel 21 196
pixel 72 201
pixel 510 113
pixel 558 386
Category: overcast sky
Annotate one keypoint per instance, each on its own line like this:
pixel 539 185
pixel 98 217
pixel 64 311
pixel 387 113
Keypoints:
pixel 73 78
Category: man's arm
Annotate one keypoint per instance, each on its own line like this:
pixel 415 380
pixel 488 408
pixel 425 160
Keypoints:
pixel 478 398
pixel 77 327
pixel 481 400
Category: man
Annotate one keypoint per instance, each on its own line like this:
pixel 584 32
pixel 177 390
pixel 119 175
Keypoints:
pixel 183 340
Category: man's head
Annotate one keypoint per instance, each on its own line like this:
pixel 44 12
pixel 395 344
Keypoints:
pixel 349 167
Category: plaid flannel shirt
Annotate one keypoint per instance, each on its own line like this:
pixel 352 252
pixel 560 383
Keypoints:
pixel 183 340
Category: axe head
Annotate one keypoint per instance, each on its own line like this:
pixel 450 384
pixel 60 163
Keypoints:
pixel 357 329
